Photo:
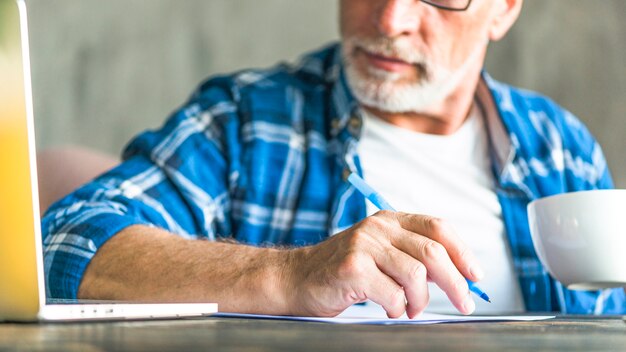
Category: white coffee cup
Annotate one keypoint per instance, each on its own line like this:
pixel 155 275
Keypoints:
pixel 581 237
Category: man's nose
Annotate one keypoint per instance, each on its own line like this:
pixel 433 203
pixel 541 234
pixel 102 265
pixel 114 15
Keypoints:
pixel 397 17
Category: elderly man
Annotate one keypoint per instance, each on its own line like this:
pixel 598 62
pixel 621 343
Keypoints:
pixel 241 197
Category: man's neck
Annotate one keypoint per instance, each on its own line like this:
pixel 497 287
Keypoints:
pixel 443 119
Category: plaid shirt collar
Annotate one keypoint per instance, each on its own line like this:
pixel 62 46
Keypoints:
pixel 347 122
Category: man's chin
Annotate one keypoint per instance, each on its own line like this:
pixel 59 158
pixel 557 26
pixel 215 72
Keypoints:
pixel 394 95
pixel 398 100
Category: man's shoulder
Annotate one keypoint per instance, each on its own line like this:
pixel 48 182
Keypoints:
pixel 533 114
pixel 520 101
pixel 310 72
pixel 273 97
pixel 549 139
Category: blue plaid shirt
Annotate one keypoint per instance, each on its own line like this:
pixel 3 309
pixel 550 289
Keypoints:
pixel 261 156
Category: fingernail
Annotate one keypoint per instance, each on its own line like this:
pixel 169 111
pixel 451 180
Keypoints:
pixel 469 306
pixel 477 272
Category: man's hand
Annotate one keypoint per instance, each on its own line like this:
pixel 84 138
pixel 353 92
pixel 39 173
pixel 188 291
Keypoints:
pixel 387 258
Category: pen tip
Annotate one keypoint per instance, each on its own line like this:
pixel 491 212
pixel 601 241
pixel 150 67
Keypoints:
pixel 489 300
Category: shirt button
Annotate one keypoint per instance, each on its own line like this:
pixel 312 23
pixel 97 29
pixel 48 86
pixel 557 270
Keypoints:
pixel 334 124
pixel 346 173
pixel 354 125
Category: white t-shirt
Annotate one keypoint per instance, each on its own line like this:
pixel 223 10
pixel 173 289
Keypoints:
pixel 448 177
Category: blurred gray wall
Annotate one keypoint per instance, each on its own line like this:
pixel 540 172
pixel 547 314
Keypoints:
pixel 106 70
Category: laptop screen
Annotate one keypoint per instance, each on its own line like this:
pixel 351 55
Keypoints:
pixel 19 294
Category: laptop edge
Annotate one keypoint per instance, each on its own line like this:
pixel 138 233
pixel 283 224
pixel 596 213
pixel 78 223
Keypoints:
pixel 29 309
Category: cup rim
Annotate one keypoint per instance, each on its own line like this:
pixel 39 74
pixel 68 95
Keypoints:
pixel 566 195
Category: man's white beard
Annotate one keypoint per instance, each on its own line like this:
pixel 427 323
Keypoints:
pixel 385 90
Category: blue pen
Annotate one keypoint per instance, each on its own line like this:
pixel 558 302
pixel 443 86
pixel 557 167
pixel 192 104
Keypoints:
pixel 368 192
pixel 480 293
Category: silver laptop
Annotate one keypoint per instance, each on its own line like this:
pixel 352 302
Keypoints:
pixel 22 287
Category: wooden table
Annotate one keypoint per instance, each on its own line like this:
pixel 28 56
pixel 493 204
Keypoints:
pixel 228 334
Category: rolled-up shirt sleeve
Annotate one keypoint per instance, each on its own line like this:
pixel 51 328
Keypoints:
pixel 175 178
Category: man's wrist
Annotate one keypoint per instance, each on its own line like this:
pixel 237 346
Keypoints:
pixel 287 274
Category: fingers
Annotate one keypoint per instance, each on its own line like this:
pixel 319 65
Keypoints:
pixel 439 266
pixel 408 273
pixel 443 233
pixel 408 251
pixel 384 291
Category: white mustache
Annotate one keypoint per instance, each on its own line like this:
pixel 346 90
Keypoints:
pixel 393 48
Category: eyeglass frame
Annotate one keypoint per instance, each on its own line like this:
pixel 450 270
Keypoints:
pixel 431 3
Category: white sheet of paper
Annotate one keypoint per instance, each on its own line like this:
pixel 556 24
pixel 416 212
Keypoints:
pixel 372 313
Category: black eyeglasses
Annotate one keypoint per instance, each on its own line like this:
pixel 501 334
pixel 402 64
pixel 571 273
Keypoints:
pixel 450 5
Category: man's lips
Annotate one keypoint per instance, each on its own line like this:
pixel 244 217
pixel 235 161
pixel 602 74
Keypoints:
pixel 387 63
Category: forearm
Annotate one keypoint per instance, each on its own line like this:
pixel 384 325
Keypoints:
pixel 142 263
